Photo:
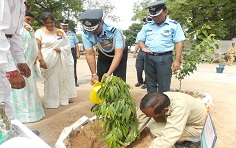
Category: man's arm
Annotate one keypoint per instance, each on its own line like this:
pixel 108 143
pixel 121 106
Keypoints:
pixel 77 51
pixel 143 47
pixel 178 53
pixel 174 128
pixel 136 50
pixel 90 57
pixel 119 49
pixel 6 61
pixel 116 61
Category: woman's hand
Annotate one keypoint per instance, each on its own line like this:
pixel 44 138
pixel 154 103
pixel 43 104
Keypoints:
pixel 57 49
pixel 94 79
pixel 43 64
pixel 77 55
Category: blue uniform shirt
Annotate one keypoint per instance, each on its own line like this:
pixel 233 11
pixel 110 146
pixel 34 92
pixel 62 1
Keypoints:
pixel 161 39
pixel 72 38
pixel 109 36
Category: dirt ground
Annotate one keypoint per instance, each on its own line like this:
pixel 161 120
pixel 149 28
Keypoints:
pixel 221 86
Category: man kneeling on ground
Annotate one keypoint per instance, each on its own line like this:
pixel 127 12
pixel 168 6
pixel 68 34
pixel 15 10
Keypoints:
pixel 178 119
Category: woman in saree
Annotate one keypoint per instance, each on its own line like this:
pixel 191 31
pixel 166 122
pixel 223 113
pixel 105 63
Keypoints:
pixel 26 102
pixel 56 63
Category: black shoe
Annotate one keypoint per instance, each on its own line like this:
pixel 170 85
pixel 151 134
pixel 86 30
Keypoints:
pixel 77 85
pixel 188 144
pixel 36 132
pixel 144 86
pixel 138 84
pixel 92 108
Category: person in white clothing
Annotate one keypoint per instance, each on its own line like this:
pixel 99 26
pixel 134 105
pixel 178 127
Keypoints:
pixel 11 16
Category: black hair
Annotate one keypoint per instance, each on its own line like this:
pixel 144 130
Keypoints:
pixel 46 15
pixel 29 14
pixel 157 100
pixel 164 7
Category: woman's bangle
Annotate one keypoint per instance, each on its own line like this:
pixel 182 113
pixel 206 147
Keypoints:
pixel 94 74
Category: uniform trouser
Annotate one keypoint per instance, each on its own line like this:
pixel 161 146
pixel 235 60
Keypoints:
pixel 190 131
pixel 140 62
pixel 103 66
pixel 5 95
pixel 231 59
pixel 158 72
pixel 73 51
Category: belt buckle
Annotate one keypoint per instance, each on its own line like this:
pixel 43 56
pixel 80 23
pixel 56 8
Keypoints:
pixel 156 54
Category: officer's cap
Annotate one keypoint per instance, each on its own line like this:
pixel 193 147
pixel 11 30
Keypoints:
pixel 64 22
pixel 156 8
pixel 91 19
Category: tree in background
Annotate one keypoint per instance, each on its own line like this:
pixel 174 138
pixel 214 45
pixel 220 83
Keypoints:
pixel 69 9
pixel 140 12
pixel 218 14
pixel 105 5
pixel 131 33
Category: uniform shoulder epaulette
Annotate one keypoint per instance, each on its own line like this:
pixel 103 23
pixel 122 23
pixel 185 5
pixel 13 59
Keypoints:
pixel 148 22
pixel 174 21
pixel 85 31
pixel 113 29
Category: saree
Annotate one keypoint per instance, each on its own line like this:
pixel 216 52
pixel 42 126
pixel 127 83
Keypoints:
pixel 59 76
pixel 26 102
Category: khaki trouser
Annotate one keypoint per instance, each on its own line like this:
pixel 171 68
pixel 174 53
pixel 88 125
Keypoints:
pixel 189 132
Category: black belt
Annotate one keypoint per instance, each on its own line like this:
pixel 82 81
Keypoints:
pixel 160 54
pixel 8 35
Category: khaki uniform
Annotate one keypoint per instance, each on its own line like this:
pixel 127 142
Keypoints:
pixel 230 55
pixel 184 121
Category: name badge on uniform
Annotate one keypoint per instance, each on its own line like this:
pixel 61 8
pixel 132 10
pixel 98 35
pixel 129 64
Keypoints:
pixel 166 32
pixel 149 32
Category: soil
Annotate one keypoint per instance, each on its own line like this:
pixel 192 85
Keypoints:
pixel 221 86
pixel 89 137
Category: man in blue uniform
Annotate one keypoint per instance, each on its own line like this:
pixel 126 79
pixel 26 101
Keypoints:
pixel 158 39
pixel 109 40
pixel 140 59
pixel 73 44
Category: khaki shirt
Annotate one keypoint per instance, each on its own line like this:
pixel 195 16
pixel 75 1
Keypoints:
pixel 231 50
pixel 184 110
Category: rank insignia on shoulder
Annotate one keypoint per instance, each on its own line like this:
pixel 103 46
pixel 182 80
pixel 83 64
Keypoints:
pixel 174 21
